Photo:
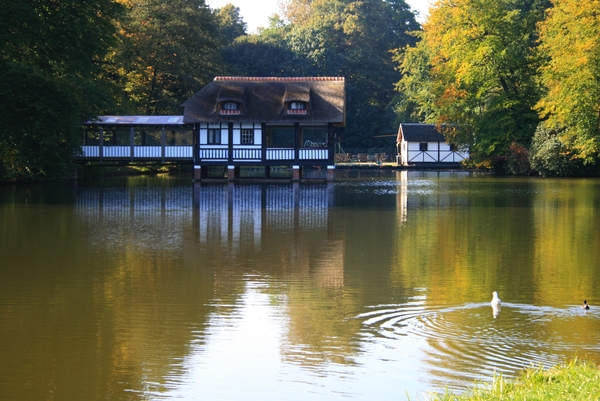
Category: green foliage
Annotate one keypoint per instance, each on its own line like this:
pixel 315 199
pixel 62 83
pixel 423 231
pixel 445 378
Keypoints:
pixel 51 63
pixel 265 54
pixel 356 40
pixel 230 22
pixel 37 134
pixel 417 103
pixel 254 56
pixel 475 69
pixel 550 156
pixel 169 50
pixel 571 41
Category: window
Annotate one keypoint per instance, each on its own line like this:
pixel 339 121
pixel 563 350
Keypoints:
pixel 423 147
pixel 247 137
pixel 230 108
pixel 214 136
pixel 297 108
pixel 452 147
pixel 314 137
pixel 281 137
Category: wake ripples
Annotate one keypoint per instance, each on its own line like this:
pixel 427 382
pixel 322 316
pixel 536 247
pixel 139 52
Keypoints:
pixel 467 342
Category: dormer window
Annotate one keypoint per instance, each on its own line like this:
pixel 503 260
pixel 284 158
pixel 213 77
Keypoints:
pixel 230 108
pixel 297 108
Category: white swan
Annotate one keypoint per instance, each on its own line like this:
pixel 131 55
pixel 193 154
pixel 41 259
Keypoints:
pixel 496 302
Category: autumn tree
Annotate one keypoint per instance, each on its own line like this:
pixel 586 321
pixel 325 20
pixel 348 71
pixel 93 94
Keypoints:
pixel 170 49
pixel 478 61
pixel 570 39
pixel 296 12
pixel 52 58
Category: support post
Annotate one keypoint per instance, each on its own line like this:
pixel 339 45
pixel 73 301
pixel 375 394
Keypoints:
pixel 296 173
pixel 131 143
pixel 330 173
pixel 101 144
pixel 197 173
pixel 163 143
pixel 230 173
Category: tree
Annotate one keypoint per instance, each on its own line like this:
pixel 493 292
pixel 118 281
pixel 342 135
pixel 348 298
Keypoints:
pixel 415 102
pixel 52 66
pixel 355 39
pixel 570 39
pixel 230 22
pixel 170 49
pixel 481 78
pixel 264 54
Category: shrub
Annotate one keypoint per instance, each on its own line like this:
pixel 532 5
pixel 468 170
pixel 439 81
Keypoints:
pixel 550 156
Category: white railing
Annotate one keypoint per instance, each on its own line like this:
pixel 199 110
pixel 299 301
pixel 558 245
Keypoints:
pixel 214 154
pixel 247 154
pixel 139 152
pixel 313 154
pixel 186 152
pixel 280 154
pixel 147 152
pixel 90 151
pixel 116 151
pixel 179 152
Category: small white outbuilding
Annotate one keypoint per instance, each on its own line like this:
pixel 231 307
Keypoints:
pixel 423 145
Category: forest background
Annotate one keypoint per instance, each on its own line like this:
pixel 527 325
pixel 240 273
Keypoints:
pixel 517 82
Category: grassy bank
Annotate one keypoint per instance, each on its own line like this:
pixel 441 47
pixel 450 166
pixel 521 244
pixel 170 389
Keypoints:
pixel 575 380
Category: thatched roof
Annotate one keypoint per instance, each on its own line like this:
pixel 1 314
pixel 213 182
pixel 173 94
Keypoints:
pixel 419 133
pixel 263 100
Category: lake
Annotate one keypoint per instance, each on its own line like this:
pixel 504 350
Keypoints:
pixel 376 286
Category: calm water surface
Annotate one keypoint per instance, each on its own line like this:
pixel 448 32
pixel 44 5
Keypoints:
pixel 374 287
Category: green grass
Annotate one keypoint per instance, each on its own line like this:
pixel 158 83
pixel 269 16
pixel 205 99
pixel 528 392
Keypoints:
pixel 575 380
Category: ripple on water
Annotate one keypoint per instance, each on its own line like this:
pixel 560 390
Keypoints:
pixel 467 342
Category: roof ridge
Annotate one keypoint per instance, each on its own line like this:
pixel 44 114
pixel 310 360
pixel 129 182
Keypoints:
pixel 277 79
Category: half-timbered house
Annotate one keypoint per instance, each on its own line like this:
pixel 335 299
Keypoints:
pixel 233 122
pixel 271 121
pixel 423 145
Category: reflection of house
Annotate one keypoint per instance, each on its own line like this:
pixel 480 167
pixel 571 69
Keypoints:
pixel 423 145
pixel 239 215
pixel 412 196
pixel 236 122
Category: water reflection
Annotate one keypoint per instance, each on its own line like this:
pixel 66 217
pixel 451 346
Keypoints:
pixel 235 216
pixel 159 289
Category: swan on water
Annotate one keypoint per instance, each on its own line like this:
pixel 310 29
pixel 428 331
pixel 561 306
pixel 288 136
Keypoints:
pixel 496 302
pixel 585 305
